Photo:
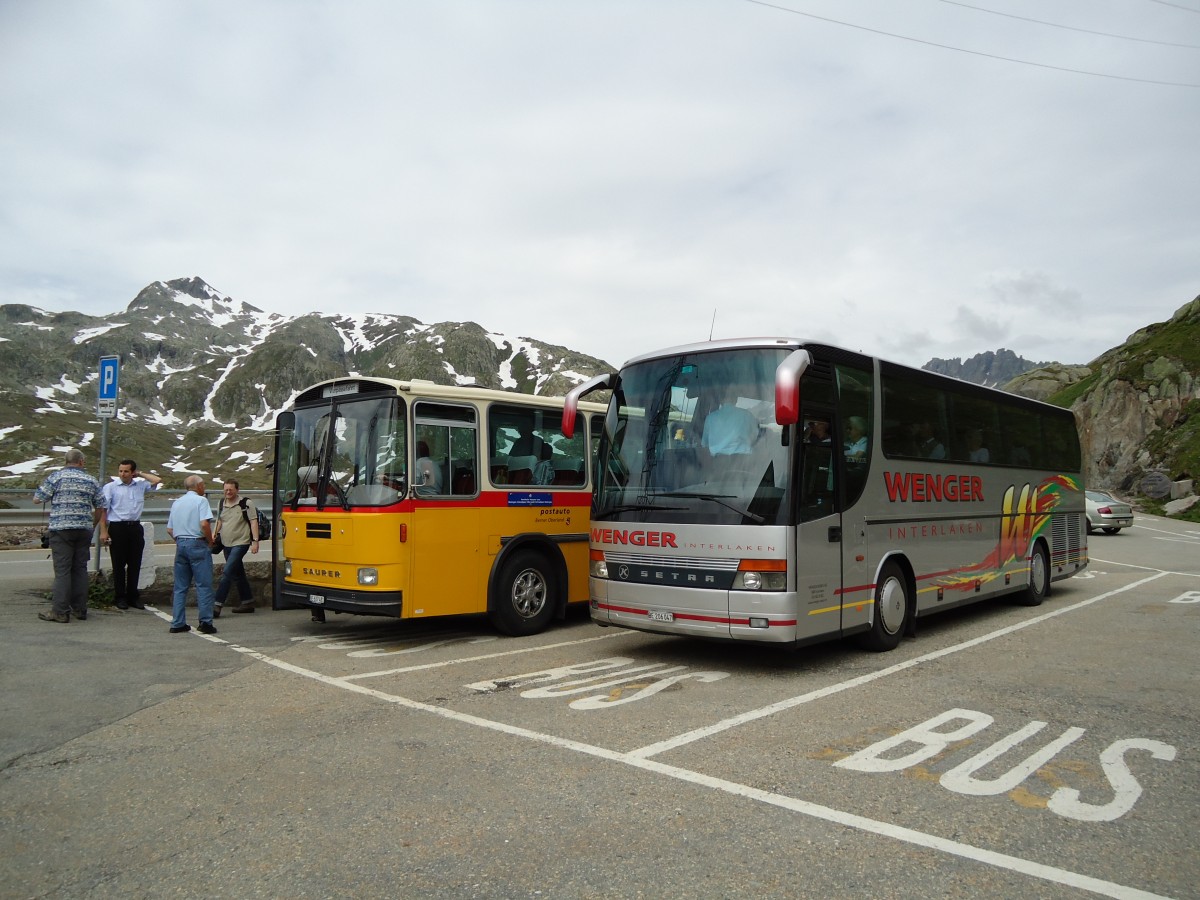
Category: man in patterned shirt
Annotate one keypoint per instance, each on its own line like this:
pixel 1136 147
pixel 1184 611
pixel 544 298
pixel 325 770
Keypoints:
pixel 75 502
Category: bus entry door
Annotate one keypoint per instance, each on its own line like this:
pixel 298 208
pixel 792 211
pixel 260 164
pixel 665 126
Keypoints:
pixel 446 567
pixel 819 533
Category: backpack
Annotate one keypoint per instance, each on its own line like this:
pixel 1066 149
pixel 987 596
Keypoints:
pixel 264 521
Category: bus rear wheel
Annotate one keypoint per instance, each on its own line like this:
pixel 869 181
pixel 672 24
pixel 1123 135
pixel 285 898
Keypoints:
pixel 1039 577
pixel 524 601
pixel 892 609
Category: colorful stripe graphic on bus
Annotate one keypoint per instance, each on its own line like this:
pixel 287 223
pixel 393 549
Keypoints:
pixel 1025 514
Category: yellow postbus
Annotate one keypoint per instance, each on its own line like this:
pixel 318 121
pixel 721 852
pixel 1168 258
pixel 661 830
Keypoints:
pixel 413 499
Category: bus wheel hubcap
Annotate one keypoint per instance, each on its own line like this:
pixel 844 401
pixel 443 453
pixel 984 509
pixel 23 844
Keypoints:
pixel 891 605
pixel 529 593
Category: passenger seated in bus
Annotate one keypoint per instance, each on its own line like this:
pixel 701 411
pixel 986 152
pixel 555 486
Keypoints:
pixel 428 474
pixel 543 472
pixel 729 429
pixel 856 439
pixel 928 445
pixel 817 432
pixel 976 452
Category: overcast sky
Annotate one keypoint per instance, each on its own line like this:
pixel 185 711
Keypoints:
pixel 609 175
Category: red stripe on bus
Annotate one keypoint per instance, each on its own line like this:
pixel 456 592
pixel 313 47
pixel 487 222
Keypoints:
pixel 851 590
pixel 691 617
pixel 486 500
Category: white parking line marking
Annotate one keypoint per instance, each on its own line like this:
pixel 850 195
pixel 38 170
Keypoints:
pixel 1145 568
pixel 467 659
pixel 1165 531
pixel 803 807
pixel 828 691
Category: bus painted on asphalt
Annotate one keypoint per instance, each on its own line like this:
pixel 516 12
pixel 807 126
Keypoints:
pixel 785 491
pixel 412 499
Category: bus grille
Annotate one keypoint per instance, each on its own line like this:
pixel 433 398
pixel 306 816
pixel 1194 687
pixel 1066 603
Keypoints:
pixel 322 530
pixel 674 562
pixel 1065 534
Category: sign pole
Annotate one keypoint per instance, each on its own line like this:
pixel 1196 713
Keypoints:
pixel 103 465
pixel 106 408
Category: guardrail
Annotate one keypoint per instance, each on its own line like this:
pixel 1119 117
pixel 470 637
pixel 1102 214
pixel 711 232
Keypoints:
pixel 154 512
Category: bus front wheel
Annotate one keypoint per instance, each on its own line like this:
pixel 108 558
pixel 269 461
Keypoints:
pixel 892 609
pixel 524 596
pixel 1039 577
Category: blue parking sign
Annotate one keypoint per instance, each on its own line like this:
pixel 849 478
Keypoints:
pixel 106 395
pixel 110 366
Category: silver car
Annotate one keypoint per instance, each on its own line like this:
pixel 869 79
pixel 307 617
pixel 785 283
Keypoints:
pixel 1107 513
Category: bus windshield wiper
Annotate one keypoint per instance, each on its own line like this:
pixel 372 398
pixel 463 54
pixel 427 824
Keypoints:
pixel 640 507
pixel 721 499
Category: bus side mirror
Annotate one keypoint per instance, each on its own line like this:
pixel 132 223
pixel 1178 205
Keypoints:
pixel 571 404
pixel 787 387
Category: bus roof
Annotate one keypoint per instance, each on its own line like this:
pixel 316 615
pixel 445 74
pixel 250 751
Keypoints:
pixel 824 350
pixel 349 385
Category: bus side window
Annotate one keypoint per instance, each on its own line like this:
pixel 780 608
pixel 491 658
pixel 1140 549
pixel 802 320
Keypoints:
pixel 449 435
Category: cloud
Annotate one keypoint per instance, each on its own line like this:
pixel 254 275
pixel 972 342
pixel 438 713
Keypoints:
pixel 606 177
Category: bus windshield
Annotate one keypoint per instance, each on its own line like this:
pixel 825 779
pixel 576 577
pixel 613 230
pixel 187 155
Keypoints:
pixel 349 452
pixel 693 439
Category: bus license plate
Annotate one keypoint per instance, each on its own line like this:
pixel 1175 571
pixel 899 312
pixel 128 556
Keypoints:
pixel 316 599
pixel 661 616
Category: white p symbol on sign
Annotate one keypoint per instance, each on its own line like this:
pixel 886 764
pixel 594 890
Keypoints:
pixel 108 377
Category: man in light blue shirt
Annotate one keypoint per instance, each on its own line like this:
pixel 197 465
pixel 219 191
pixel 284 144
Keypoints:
pixel 121 529
pixel 729 428
pixel 190 523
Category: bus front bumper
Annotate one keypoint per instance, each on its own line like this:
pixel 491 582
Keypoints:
pixel 363 603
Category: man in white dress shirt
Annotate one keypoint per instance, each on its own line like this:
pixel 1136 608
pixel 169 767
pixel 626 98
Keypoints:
pixel 121 529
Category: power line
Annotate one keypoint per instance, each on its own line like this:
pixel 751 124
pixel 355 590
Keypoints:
pixel 1120 37
pixel 1023 62
pixel 1177 6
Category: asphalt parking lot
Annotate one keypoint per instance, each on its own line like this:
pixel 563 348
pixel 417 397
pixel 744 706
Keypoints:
pixel 1006 751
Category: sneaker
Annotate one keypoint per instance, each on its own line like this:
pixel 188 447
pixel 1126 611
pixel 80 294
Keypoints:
pixel 180 629
pixel 217 611
pixel 208 628
pixel 122 604
pixel 54 617
pixel 136 604
pixel 244 608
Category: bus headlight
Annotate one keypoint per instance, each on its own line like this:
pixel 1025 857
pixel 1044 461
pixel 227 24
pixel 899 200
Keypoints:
pixel 761 575
pixel 597 566
pixel 368 577
pixel 287 568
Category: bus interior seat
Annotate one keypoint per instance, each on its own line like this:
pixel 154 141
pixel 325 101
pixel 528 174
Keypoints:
pixel 520 469
pixel 568 471
pixel 464 482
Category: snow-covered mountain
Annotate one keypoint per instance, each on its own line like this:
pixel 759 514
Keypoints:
pixel 203 376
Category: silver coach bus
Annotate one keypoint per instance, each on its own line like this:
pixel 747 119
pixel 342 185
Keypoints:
pixel 784 491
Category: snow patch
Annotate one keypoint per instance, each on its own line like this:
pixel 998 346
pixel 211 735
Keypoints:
pixel 26 468
pixel 82 337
